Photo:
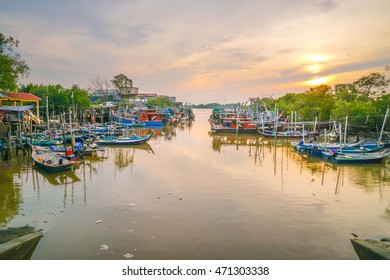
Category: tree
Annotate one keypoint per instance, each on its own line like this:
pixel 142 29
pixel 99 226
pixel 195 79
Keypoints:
pixel 371 86
pixel 100 86
pixel 345 92
pixel 12 67
pixel 60 98
pixel 122 83
pixel 160 102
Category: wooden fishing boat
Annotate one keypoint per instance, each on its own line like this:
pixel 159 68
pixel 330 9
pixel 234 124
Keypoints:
pixel 231 127
pixel 341 157
pixel 316 149
pixel 131 140
pixel 18 243
pixel 372 249
pixel 52 161
pixel 90 149
pixel 284 134
pixel 145 117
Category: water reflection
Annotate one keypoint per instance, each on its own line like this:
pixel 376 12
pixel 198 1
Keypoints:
pixel 12 176
pixel 55 179
pixel 164 132
pixel 124 156
pixel 188 194
pixel 369 177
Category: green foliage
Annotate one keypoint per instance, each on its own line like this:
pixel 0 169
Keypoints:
pixel 160 103
pixel 347 92
pixel 122 83
pixel 371 86
pixel 12 67
pixel 59 98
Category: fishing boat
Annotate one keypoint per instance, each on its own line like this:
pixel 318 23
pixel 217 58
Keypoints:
pixel 18 243
pixel 372 249
pixel 233 127
pixel 285 134
pixel 145 117
pixel 341 157
pixel 316 149
pixel 90 149
pixel 131 140
pixel 52 161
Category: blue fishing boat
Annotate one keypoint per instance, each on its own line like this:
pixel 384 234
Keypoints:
pixel 316 149
pixel 123 141
pixel 145 117
pixel 356 158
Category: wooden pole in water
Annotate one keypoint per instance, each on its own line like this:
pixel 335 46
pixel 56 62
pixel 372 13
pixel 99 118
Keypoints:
pixel 9 138
pixel 31 132
pixel 325 140
pixel 63 133
pixel 341 148
pixel 383 127
pixel 238 116
pixel 345 130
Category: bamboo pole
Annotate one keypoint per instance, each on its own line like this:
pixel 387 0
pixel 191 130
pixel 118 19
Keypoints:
pixel 383 127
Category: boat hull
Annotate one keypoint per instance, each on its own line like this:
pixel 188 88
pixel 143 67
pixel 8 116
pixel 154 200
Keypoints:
pixel 356 158
pixel 137 140
pixel 52 162
pixel 370 249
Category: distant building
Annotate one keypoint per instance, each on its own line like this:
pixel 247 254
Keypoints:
pixel 133 95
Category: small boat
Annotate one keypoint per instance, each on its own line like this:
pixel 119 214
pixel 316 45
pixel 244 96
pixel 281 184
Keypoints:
pixel 341 157
pixel 232 128
pixel 315 148
pixel 18 243
pixel 131 140
pixel 90 149
pixel 284 134
pixel 372 249
pixel 52 161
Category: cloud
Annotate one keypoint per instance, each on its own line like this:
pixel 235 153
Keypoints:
pixel 193 48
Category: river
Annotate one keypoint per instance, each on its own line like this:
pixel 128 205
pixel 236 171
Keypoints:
pixel 191 195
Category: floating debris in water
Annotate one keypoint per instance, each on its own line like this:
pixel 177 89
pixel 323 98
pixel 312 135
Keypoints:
pixel 99 221
pixel 128 256
pixel 103 247
pixel 132 204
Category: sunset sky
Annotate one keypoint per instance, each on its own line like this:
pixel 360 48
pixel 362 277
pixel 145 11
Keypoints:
pixel 201 51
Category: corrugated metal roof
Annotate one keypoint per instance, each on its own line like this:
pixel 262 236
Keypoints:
pixel 16 108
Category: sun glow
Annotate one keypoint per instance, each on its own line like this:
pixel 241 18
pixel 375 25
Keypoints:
pixel 315 68
pixel 314 63
pixel 316 58
pixel 318 81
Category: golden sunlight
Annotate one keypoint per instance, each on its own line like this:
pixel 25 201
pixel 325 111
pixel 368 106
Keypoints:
pixel 314 63
pixel 315 68
pixel 318 81
pixel 316 58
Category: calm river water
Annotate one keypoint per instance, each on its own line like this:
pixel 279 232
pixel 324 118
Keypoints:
pixel 189 195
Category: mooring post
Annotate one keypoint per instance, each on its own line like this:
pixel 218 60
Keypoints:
pixel 9 138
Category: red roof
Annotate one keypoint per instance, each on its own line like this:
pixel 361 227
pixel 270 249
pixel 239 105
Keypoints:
pixel 22 96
